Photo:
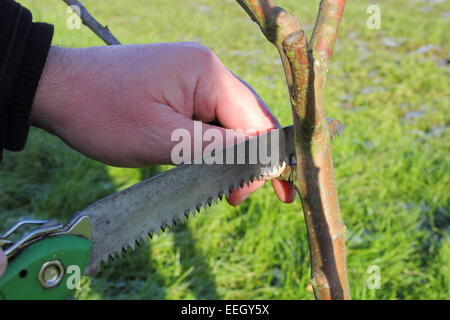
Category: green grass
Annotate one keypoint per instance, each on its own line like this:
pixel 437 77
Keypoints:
pixel 392 168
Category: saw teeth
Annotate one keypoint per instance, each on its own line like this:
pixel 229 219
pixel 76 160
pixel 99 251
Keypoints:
pixel 144 238
pixel 164 226
pixel 103 261
pixel 102 264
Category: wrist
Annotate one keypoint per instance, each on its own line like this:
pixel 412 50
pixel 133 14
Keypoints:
pixel 53 88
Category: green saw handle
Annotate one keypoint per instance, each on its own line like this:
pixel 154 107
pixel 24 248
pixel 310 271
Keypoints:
pixel 47 269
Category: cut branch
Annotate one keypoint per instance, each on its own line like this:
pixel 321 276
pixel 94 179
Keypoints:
pixel 275 23
pixel 88 20
pixel 306 67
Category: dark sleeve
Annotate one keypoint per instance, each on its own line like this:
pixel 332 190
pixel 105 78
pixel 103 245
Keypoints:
pixel 24 46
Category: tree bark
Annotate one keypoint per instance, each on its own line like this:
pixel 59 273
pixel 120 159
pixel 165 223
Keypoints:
pixel 306 67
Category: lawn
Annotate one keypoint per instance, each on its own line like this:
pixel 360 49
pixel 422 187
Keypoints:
pixel 390 87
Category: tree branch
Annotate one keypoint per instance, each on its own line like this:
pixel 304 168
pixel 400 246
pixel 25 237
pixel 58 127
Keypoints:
pixel 326 30
pixel 89 21
pixel 275 23
pixel 306 67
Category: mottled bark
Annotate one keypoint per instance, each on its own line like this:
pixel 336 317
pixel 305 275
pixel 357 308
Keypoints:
pixel 306 66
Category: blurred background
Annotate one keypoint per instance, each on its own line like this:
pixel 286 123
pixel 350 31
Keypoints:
pixel 389 86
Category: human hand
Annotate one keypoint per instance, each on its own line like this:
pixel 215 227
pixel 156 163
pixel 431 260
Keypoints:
pixel 120 104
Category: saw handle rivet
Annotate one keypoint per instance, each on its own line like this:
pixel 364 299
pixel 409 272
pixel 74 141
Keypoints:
pixel 51 274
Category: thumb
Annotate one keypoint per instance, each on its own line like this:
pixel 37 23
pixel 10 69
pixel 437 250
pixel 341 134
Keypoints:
pixel 236 105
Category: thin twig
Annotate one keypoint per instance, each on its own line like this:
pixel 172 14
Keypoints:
pixel 306 69
pixel 89 21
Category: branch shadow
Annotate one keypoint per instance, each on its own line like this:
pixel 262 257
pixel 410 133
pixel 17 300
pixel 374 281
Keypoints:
pixel 134 275
pixel 201 281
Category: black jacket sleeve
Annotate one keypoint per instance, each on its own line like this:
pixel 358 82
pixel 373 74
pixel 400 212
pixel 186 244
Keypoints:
pixel 24 46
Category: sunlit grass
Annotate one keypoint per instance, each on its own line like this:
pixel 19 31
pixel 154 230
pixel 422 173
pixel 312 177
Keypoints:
pixel 392 163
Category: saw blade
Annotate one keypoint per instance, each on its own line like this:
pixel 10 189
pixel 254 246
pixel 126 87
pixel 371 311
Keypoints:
pixel 125 218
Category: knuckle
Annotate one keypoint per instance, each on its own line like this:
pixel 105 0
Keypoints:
pixel 203 53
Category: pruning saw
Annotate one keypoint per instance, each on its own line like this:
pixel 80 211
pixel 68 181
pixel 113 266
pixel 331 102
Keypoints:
pixel 41 261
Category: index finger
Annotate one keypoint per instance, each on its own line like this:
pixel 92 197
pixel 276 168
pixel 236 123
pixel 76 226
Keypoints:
pixel 238 106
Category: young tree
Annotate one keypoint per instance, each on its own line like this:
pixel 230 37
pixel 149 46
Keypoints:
pixel 305 65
